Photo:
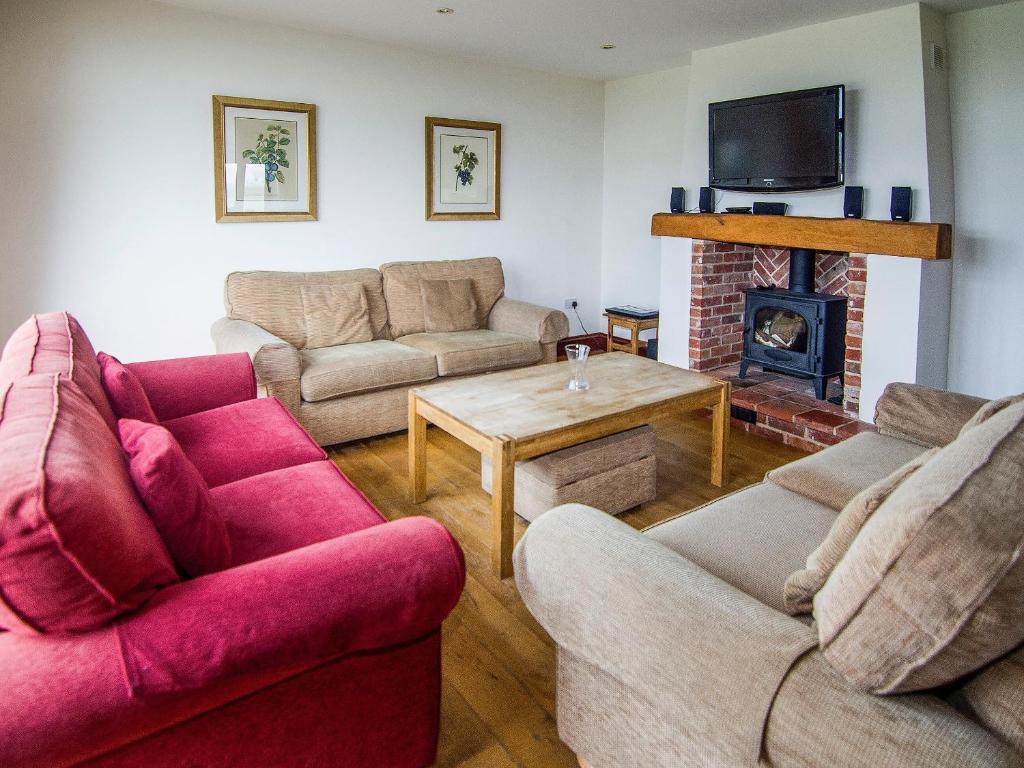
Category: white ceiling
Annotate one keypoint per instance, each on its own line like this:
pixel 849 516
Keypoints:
pixel 562 36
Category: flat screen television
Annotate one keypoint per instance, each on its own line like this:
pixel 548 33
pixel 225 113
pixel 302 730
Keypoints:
pixel 777 143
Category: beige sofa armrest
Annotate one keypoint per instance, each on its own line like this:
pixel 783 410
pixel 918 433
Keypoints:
pixel 922 415
pixel 275 361
pixel 531 320
pixel 711 656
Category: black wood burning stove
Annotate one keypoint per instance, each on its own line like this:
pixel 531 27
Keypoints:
pixel 795 330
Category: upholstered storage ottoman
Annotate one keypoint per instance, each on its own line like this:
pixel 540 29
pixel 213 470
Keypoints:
pixel 613 474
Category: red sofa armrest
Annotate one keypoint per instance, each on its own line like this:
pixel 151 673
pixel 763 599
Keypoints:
pixel 375 588
pixel 189 385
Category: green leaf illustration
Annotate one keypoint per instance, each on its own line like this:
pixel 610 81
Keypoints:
pixel 282 162
pixel 280 177
pixel 282 142
pixel 286 132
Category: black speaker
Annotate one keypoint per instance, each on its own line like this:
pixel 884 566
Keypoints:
pixel 770 209
pixel 677 204
pixel 707 200
pixel 853 203
pixel 900 206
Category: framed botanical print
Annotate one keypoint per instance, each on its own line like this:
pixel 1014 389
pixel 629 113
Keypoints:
pixel 463 169
pixel 264 160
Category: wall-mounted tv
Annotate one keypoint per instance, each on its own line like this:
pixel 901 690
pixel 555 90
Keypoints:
pixel 777 143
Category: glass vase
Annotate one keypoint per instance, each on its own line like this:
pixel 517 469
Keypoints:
pixel 577 354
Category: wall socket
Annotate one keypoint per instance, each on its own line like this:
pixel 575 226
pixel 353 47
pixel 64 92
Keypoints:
pixel 571 303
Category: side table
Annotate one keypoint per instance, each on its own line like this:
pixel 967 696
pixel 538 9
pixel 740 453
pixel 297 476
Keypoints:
pixel 634 325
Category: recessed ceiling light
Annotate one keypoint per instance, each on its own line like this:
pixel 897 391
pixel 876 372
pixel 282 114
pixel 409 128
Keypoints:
pixel 446 11
pixel 608 46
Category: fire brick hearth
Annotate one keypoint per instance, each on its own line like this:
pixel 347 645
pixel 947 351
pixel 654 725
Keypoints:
pixel 722 272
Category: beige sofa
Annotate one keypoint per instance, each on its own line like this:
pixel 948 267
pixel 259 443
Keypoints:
pixel 675 648
pixel 357 389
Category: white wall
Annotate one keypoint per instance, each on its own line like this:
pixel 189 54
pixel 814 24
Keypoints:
pixel 643 154
pixel 878 56
pixel 107 193
pixel 986 74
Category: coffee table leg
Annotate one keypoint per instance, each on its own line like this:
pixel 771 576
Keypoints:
pixel 720 437
pixel 503 467
pixel 417 452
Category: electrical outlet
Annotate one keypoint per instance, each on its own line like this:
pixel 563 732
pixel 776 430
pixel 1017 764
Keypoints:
pixel 571 303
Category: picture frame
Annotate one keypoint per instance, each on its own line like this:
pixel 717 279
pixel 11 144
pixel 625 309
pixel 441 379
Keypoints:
pixel 463 169
pixel 264 160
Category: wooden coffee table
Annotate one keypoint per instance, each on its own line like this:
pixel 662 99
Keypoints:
pixel 516 415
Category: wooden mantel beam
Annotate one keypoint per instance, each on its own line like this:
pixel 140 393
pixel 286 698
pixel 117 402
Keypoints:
pixel 890 238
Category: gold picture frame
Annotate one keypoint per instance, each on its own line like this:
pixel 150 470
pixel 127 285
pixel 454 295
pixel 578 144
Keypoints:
pixel 462 190
pixel 264 160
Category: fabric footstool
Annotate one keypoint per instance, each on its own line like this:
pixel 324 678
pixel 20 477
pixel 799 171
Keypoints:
pixel 614 473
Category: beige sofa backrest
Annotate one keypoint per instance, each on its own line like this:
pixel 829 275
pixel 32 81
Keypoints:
pixel 402 288
pixel 273 300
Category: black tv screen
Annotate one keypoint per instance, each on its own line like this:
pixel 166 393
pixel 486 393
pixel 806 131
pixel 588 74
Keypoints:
pixel 783 142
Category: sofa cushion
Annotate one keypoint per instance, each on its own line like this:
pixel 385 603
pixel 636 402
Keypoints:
pixel 243 439
pixel 273 300
pixel 55 343
pixel 290 508
pixel 176 497
pixel 995 699
pixel 76 546
pixel 464 352
pixel 835 476
pixel 354 368
pixel 124 390
pixel 335 314
pixel 753 539
pixel 448 305
pixel 402 289
pixel 803 585
pixel 933 586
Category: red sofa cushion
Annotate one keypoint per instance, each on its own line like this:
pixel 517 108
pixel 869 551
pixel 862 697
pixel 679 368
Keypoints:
pixel 176 498
pixel 55 343
pixel 124 390
pixel 243 439
pixel 76 546
pixel 290 508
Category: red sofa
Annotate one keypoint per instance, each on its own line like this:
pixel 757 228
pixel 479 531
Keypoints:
pixel 318 646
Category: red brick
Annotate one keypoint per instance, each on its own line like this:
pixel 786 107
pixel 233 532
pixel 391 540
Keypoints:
pixel 750 397
pixel 854 428
pixel 803 444
pixel 821 420
pixel 784 410
pixel 822 438
pixel 853 343
pixel 853 354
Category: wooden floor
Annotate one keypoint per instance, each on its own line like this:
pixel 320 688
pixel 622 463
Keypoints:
pixel 498 699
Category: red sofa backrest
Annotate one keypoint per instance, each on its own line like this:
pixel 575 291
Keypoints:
pixel 55 343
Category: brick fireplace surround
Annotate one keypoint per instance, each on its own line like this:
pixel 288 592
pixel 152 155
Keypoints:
pixel 785 410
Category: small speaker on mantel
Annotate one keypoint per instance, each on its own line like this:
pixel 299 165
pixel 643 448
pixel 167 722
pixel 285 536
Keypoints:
pixel 677 204
pixel 853 203
pixel 900 206
pixel 707 200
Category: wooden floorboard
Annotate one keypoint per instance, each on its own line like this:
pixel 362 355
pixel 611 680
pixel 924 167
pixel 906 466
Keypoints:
pixel 498 698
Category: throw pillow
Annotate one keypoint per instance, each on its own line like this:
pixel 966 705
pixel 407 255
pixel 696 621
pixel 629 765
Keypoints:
pixel 932 588
pixel 803 585
pixel 124 390
pixel 176 497
pixel 990 409
pixel 448 305
pixel 335 314
pixel 76 547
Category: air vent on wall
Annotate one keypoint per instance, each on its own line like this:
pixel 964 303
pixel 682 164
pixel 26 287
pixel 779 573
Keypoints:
pixel 938 57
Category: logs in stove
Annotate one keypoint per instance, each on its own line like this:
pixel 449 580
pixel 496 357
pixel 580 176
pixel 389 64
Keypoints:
pixel 794 330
